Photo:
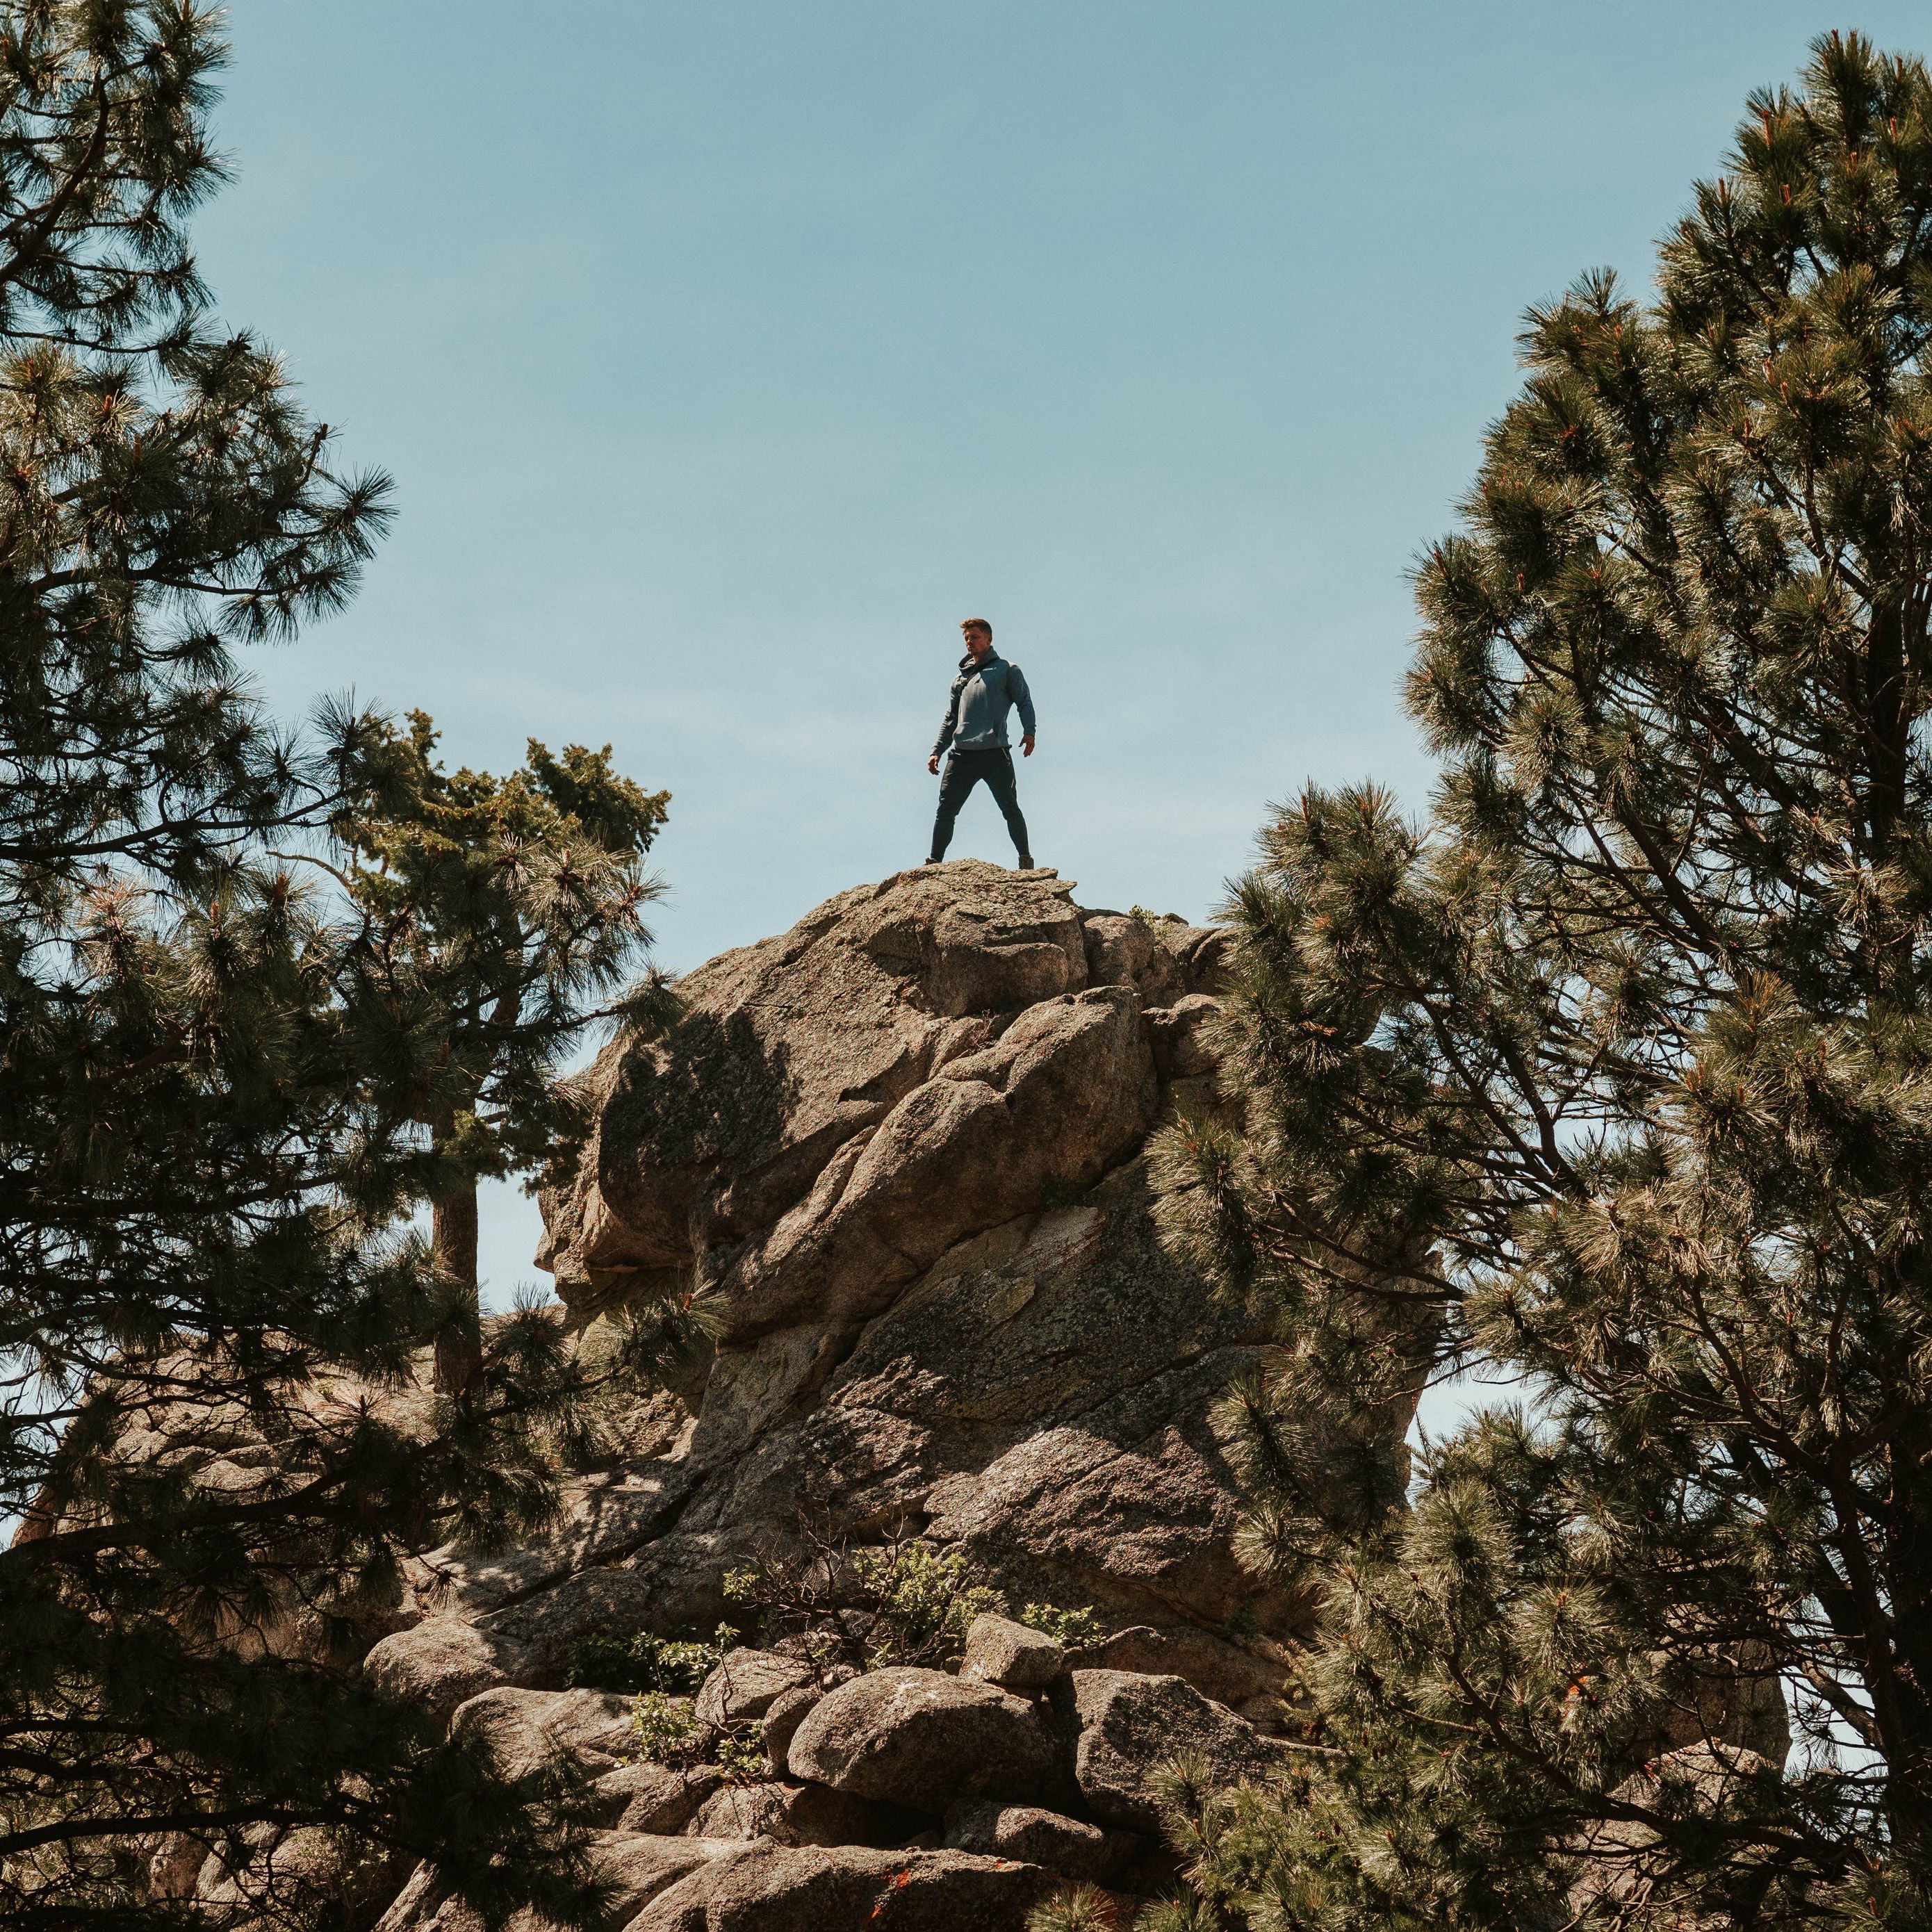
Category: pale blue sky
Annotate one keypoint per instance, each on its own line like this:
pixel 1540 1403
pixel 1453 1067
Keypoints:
pixel 727 354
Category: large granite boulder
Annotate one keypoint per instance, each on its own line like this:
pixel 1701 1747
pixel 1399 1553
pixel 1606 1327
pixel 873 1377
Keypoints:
pixel 900 1147
pixel 525 1728
pixel 773 1888
pixel 443 1662
pixel 1128 1728
pixel 922 1738
pixel 1088 1854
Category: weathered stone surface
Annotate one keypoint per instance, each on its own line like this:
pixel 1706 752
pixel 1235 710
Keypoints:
pixel 1123 950
pixel 674 1584
pixel 900 1145
pixel 745 1685
pixel 922 1738
pixel 642 1865
pixel 999 1651
pixel 788 1712
pixel 1075 1850
pixel 1182 1037
pixel 791 1047
pixel 1247 1677
pixel 1127 1727
pixel 602 1518
pixel 286 1866
pixel 415 1905
pixel 782 1888
pixel 527 1727
pixel 1044 1394
pixel 803 1814
pixel 637 1867
pixel 1128 1506
pixel 655 1798
pixel 710 1142
pixel 443 1661
pixel 1066 1089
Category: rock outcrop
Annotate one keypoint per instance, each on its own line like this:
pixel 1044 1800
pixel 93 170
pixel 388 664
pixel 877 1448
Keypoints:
pixel 900 1149
pixel 900 1145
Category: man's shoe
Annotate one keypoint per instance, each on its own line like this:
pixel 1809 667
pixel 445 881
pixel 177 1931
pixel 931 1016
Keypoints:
pixel 932 861
pixel 1026 861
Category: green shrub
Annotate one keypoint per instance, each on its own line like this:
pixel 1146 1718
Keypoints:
pixel 666 1726
pixel 740 1754
pixel 923 1604
pixel 895 1602
pixel 1074 1629
pixel 644 1662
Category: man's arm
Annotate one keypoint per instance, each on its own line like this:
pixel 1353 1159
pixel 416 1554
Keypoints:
pixel 948 726
pixel 1016 683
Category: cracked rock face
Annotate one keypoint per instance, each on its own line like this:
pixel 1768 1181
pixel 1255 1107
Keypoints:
pixel 901 1146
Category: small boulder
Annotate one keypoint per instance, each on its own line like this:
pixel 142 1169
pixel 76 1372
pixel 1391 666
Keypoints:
pixel 648 1797
pixel 1127 1727
pixel 801 1814
pixel 787 1712
pixel 640 1865
pixel 1122 950
pixel 999 1651
pixel 528 1727
pixel 922 1738
pixel 1232 1674
pixel 771 1888
pixel 636 1865
pixel 1182 1035
pixel 745 1685
pixel 443 1662
pixel 1035 1838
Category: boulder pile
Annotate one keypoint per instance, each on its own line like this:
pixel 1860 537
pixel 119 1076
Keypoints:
pixel 899 1149
pixel 902 1798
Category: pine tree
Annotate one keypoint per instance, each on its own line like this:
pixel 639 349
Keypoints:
pixel 503 905
pixel 211 1311
pixel 1614 1075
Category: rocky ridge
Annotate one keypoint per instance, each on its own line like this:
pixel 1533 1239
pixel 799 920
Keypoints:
pixel 901 1148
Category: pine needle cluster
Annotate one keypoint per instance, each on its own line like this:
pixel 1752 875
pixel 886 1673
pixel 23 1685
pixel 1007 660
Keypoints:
pixel 1614 1076
pixel 238 995
pixel 495 911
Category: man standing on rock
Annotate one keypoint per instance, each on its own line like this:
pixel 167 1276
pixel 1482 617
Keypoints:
pixel 985 690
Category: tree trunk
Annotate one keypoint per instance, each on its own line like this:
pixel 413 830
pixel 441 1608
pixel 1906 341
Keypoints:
pixel 459 1342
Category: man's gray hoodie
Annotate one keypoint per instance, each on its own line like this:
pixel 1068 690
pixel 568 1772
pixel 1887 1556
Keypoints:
pixel 976 709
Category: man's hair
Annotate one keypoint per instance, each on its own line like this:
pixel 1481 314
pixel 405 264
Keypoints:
pixel 975 624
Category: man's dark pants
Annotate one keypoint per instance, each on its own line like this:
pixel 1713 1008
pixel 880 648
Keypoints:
pixel 961 773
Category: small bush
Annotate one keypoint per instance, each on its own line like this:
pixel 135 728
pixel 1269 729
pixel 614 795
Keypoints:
pixel 1073 1630
pixel 646 1663
pixel 894 1602
pixel 666 1726
pixel 924 1604
pixel 740 1754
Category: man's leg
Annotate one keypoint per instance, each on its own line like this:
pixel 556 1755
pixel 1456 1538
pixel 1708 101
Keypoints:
pixel 957 777
pixel 1000 783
